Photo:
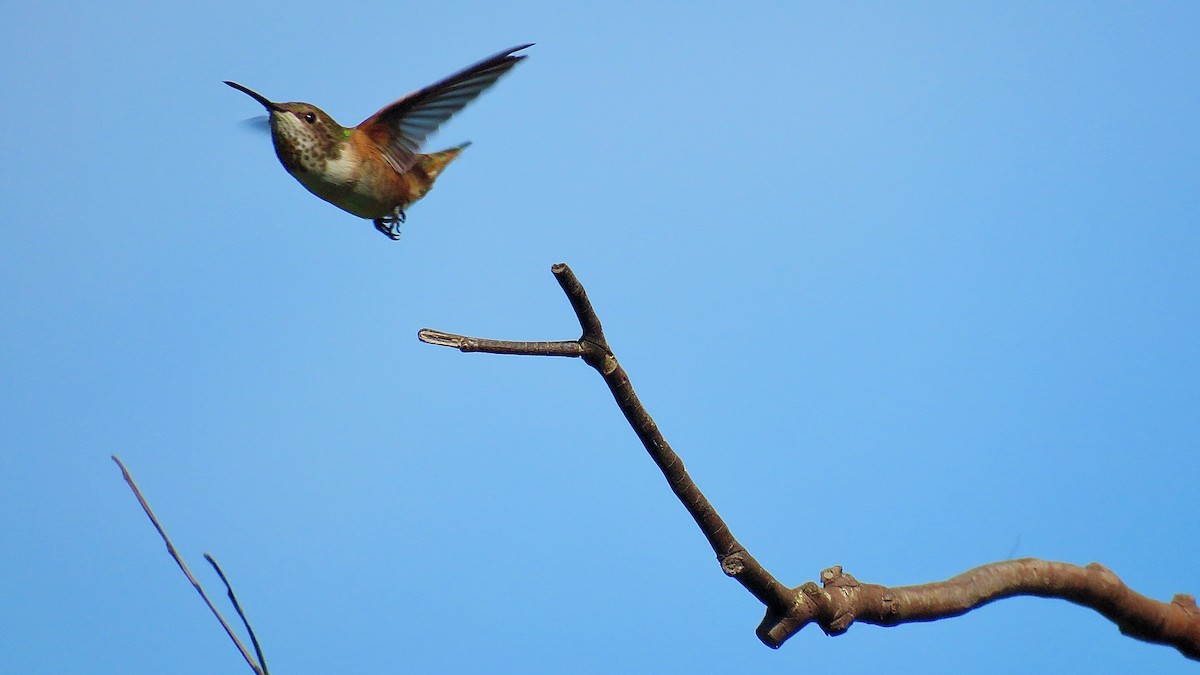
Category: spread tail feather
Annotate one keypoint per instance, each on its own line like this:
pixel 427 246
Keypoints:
pixel 434 162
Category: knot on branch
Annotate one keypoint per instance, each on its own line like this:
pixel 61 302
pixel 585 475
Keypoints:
pixel 837 603
pixel 1109 575
pixel 839 611
pixel 733 564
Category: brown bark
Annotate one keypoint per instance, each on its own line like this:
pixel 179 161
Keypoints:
pixel 840 599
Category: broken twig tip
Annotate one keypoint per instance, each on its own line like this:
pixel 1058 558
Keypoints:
pixel 437 337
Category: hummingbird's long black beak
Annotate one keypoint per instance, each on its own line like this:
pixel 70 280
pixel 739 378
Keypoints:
pixel 270 106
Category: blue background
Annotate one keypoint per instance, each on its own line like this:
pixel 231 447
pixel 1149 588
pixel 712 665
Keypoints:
pixel 911 288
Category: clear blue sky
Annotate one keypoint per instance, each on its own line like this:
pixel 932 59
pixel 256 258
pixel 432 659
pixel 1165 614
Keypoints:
pixel 911 289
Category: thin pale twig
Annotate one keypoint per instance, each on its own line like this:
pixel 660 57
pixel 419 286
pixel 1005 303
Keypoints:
pixel 183 566
pixel 262 660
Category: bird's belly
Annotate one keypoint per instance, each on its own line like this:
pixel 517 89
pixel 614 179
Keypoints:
pixel 352 189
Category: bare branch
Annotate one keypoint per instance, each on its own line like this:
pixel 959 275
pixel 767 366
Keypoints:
pixel 841 599
pixel 593 348
pixel 183 566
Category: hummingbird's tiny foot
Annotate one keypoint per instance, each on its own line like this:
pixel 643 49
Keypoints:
pixel 388 227
pixel 400 216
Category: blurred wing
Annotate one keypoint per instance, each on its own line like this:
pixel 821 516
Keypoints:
pixel 400 128
pixel 258 123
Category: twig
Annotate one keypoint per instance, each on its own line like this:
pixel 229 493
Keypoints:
pixel 183 566
pixel 262 660
pixel 841 599
pixel 593 348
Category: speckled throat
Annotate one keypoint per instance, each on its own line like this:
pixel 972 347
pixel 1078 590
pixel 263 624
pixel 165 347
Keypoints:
pixel 303 145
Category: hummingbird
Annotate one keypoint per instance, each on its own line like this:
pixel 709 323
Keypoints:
pixel 376 169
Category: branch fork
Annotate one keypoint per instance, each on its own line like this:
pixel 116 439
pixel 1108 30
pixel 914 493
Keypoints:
pixel 840 599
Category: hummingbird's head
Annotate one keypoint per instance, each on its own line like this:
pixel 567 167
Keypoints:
pixel 305 137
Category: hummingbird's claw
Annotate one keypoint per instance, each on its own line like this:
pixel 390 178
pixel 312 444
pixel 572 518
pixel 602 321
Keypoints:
pixel 388 227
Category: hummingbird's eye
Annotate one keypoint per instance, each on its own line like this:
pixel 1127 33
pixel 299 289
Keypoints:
pixel 309 117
